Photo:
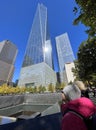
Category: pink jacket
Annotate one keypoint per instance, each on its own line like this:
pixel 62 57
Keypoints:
pixel 71 121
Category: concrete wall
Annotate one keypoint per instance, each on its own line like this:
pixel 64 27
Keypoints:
pixel 49 98
pixel 43 99
pixel 29 102
pixel 12 100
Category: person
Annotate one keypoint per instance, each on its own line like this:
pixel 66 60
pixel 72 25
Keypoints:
pixel 84 90
pixel 94 92
pixel 73 105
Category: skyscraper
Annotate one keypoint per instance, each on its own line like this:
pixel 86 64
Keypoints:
pixel 64 50
pixel 39 44
pixel 38 54
pixel 8 53
pixel 64 53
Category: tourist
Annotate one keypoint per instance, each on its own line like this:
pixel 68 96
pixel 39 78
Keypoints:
pixel 84 90
pixel 74 105
pixel 94 92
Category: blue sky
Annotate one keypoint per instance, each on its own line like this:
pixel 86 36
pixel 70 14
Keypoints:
pixel 16 17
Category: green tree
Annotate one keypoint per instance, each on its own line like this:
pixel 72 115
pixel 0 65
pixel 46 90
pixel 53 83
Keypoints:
pixel 51 88
pixel 86 11
pixel 85 66
pixel 76 70
pixel 41 89
pixel 62 85
pixel 35 89
pixel 57 87
pixel 86 56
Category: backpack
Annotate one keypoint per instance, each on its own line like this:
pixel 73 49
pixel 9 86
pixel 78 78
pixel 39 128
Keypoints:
pixel 90 121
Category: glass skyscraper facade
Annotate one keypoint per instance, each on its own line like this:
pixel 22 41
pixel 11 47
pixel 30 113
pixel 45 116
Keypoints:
pixel 39 44
pixel 8 53
pixel 37 67
pixel 64 51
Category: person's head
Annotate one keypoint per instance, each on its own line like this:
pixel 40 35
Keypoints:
pixel 80 85
pixel 73 91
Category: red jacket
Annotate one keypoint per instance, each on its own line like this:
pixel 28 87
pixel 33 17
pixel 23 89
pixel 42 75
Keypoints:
pixel 71 121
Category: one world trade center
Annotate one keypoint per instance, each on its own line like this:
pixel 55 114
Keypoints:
pixel 38 54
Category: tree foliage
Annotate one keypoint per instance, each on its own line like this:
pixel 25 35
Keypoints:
pixel 86 57
pixel 86 11
pixel 41 89
pixel 85 66
pixel 57 87
pixel 76 70
pixel 51 88
pixel 62 85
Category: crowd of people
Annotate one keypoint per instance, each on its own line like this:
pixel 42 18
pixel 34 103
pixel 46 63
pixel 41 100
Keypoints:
pixel 76 106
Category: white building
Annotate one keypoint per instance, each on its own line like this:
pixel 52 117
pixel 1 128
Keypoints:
pixel 36 75
pixel 67 76
pixel 68 70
